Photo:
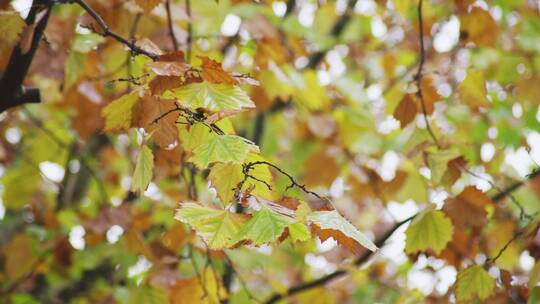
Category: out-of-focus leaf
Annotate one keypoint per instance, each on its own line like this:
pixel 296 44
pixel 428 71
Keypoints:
pixel 474 283
pixel 143 170
pixel 472 90
pixel 429 230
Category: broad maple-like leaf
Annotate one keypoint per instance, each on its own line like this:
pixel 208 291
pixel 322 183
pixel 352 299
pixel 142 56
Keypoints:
pixel 222 148
pixel 225 177
pixel 212 97
pixel 327 224
pixel 438 163
pixel 216 227
pixel 118 114
pixel 429 230
pixel 474 283
pixel 264 227
pixel 143 170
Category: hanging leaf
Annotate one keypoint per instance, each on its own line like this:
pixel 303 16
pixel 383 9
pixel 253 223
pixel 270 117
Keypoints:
pixel 299 232
pixel 438 163
pixel 331 224
pixel 210 96
pixel 216 227
pixel 406 110
pixel 223 148
pixel 474 283
pixel 118 114
pixel 429 230
pixel 478 26
pixel 143 170
pixel 264 227
pixel 155 116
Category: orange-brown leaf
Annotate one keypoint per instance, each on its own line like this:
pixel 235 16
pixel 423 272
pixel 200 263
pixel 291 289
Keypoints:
pixel 468 208
pixel 406 110
pixel 214 73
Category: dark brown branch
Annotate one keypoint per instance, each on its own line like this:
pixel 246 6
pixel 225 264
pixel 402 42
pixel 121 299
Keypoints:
pixel 380 242
pixel 418 76
pixel 19 62
pixel 170 25
pixel 107 32
pixel 189 31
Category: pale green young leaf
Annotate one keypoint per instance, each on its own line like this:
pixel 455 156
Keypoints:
pixel 264 227
pixel 222 148
pixel 298 232
pixel 474 283
pixel 118 113
pixel 211 96
pixel 340 229
pixel 429 230
pixel 216 227
pixel 143 170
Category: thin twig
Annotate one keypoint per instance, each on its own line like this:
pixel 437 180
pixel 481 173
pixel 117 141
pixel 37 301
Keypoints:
pixel 189 31
pixel 503 249
pixel 379 243
pixel 170 25
pixel 418 76
pixel 108 32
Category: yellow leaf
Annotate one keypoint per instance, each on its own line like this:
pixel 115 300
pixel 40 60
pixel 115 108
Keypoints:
pixel 472 90
pixel 118 113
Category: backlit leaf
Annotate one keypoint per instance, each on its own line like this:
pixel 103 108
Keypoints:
pixel 11 26
pixel 223 148
pixel 332 224
pixel 406 110
pixel 216 227
pixel 264 227
pixel 147 5
pixel 210 96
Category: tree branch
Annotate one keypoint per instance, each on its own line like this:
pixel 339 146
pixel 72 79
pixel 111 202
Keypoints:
pixel 19 62
pixel 418 76
pixel 380 242
pixel 107 32
pixel 170 25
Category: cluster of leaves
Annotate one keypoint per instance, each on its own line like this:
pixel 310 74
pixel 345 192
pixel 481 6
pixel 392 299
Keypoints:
pixel 177 156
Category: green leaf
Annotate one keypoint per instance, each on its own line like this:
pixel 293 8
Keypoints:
pixel 20 182
pixel 118 113
pixel 534 295
pixel 429 230
pixel 332 220
pixel 223 148
pixel 211 96
pixel 474 283
pixel 11 26
pixel 264 227
pixel 225 178
pixel 143 170
pixel 216 227
pixel 298 232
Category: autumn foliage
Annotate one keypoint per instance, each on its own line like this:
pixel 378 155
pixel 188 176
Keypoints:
pixel 182 151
